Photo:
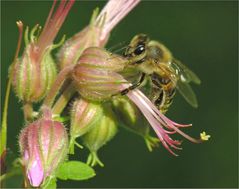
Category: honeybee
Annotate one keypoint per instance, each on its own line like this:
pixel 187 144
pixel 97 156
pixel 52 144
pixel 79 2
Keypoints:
pixel 151 59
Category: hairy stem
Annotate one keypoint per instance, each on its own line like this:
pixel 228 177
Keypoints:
pixel 63 99
pixel 28 111
pixel 61 77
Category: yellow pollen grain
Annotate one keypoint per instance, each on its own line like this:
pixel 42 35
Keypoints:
pixel 204 136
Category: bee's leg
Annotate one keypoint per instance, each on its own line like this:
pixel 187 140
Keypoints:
pixel 132 87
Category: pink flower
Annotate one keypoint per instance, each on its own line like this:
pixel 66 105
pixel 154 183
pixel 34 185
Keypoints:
pixel 112 14
pixel 96 78
pixel 43 145
pixel 52 25
pixel 162 126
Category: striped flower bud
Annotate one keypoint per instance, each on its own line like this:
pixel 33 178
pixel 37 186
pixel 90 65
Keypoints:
pixel 32 80
pixel 84 115
pixel 102 132
pixel 34 72
pixel 43 146
pixel 95 76
pixel 73 47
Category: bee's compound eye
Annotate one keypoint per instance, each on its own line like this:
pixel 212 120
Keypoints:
pixel 139 49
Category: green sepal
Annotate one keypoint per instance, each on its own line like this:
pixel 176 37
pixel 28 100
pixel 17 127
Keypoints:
pixel 93 160
pixel 151 142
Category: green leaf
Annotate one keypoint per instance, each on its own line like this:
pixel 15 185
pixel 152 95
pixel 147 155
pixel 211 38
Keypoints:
pixel 75 170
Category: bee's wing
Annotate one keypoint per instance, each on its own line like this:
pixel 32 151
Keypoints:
pixel 184 73
pixel 187 92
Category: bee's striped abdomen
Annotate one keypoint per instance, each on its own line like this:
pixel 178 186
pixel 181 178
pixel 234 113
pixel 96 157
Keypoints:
pixel 162 93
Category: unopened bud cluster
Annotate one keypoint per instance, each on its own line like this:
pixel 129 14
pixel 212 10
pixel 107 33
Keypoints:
pixel 82 64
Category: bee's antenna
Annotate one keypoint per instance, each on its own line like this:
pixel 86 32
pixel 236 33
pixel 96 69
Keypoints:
pixel 118 50
pixel 115 48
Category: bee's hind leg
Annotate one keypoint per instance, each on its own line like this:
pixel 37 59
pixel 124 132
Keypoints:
pixel 134 86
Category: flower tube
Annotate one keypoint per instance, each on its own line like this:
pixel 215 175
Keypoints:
pixel 159 122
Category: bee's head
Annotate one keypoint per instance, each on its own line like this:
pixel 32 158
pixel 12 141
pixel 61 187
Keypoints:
pixel 136 50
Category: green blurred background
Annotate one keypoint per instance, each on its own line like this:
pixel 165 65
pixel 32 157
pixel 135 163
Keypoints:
pixel 204 35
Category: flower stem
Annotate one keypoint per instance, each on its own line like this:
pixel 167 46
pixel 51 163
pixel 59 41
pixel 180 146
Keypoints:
pixel 3 132
pixel 28 111
pixel 61 77
pixel 4 119
pixel 63 99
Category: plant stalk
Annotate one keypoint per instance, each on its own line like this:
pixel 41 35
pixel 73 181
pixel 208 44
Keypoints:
pixel 3 131
pixel 28 111
pixel 63 99
pixel 61 77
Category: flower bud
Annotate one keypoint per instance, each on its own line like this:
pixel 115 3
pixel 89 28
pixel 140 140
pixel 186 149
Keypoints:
pixel 35 71
pixel 43 146
pixel 84 115
pixel 32 80
pixel 95 76
pixel 102 132
pixel 130 117
pixel 73 47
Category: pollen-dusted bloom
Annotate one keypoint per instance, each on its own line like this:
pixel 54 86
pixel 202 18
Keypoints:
pixel 43 145
pixel 34 72
pixel 95 82
pixel 96 34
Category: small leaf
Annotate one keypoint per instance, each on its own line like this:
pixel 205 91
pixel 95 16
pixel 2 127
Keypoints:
pixel 75 170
